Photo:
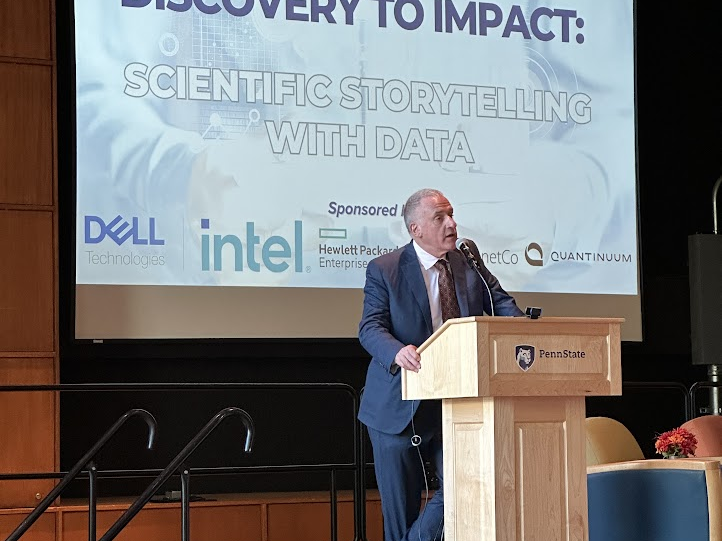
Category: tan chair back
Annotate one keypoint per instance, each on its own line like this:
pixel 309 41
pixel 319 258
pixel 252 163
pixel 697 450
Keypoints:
pixel 609 441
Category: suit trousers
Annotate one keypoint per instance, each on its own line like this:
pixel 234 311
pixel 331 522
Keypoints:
pixel 399 467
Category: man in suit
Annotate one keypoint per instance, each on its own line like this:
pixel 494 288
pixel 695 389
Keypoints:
pixel 407 296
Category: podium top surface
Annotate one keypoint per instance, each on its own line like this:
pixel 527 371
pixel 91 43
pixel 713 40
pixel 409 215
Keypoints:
pixel 502 320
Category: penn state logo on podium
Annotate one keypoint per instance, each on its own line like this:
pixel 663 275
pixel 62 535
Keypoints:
pixel 525 355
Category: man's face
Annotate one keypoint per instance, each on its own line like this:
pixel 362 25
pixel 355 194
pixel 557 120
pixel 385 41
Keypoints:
pixel 434 228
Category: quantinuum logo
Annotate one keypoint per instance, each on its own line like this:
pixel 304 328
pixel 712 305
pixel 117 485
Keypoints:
pixel 534 255
pixel 119 230
pixel 277 253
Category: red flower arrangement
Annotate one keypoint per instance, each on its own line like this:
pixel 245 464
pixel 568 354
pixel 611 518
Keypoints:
pixel 679 442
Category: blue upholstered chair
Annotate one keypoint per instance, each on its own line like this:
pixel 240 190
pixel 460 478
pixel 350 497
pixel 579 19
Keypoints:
pixel 655 500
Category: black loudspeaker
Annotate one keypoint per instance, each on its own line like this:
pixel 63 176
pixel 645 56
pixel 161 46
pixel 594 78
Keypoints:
pixel 705 297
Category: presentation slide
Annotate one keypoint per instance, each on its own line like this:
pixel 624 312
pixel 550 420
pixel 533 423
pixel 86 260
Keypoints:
pixel 273 143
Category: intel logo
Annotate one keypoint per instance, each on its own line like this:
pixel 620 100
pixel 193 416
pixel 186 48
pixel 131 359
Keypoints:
pixel 276 253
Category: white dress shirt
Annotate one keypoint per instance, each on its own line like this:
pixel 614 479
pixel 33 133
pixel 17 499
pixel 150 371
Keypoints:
pixel 431 279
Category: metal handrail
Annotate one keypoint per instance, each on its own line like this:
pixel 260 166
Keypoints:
pixel 672 385
pixel 82 463
pixel 359 452
pixel 173 466
pixel 148 473
pixel 172 387
pixel 331 468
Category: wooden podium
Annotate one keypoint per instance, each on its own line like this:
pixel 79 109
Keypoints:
pixel 513 412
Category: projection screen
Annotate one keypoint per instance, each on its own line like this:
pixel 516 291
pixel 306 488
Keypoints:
pixel 239 162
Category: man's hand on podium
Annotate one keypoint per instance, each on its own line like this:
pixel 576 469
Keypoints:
pixel 408 358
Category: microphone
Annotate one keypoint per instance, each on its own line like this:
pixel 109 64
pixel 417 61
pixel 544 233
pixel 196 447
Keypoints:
pixel 463 246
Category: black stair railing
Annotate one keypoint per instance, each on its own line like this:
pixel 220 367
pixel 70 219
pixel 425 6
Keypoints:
pixel 654 386
pixel 85 461
pixel 172 468
pixel 358 466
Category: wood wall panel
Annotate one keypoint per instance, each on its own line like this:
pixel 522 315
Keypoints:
pixel 228 517
pixel 306 521
pixel 26 28
pixel 27 275
pixel 229 523
pixel 27 430
pixel 42 530
pixel 26 121
pixel 28 255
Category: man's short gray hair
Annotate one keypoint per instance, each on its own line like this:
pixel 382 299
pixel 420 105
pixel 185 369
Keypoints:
pixel 413 203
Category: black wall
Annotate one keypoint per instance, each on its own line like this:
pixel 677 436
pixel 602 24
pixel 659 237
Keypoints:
pixel 679 146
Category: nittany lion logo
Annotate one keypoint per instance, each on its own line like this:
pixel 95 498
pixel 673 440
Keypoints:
pixel 525 357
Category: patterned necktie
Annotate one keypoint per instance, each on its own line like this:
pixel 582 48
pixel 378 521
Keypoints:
pixel 447 291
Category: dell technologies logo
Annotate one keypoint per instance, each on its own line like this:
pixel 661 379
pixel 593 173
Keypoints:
pixel 120 230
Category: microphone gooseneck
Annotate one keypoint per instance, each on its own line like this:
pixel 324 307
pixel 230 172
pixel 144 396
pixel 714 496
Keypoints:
pixel 463 246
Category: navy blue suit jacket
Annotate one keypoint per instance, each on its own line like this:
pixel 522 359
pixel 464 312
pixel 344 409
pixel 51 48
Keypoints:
pixel 396 313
